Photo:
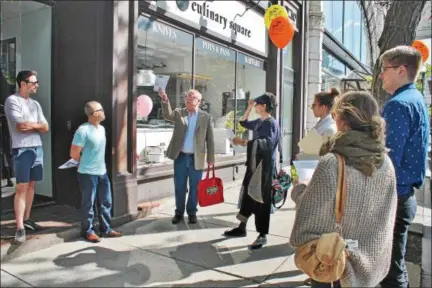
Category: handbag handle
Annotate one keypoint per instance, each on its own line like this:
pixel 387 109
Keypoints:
pixel 208 171
pixel 341 190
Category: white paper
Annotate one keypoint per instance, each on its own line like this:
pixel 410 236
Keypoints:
pixel 161 82
pixel 69 164
pixel 311 143
pixel 305 169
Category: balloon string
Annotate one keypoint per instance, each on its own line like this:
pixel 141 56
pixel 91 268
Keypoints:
pixel 247 8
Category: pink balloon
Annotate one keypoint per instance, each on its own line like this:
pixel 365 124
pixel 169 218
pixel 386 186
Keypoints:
pixel 144 105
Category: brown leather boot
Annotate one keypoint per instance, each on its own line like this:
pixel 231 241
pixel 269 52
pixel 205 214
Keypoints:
pixel 92 237
pixel 112 234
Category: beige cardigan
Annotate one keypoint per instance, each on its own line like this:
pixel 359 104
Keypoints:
pixel 369 217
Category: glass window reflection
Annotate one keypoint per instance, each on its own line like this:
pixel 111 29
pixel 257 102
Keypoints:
pixel 161 50
pixel 333 11
pixel 352 28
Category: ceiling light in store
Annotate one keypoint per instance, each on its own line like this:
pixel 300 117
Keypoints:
pixel 146 78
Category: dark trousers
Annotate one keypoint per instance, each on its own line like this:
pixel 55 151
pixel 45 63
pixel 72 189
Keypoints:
pixel 261 212
pixel 398 274
pixel 315 284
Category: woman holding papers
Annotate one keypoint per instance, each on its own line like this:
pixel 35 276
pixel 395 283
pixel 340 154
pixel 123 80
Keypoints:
pixel 323 103
pixel 261 151
pixel 326 126
pixel 370 201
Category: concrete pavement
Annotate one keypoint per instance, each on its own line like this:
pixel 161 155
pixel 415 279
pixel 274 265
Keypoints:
pixel 155 253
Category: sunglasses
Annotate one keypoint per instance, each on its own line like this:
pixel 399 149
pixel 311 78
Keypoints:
pixel 30 82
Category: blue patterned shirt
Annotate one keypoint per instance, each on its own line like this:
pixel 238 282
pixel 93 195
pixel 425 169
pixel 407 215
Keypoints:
pixel 407 137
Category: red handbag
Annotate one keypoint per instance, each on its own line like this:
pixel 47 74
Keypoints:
pixel 210 190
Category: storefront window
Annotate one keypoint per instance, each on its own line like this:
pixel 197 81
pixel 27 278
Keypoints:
pixel 332 64
pixel 162 50
pixel 352 28
pixel 214 78
pixel 364 45
pixel 333 11
pixel 251 82
pixel 287 53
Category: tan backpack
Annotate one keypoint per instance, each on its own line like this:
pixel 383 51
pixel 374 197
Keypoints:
pixel 323 259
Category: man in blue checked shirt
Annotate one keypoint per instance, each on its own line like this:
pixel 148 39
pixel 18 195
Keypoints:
pixel 407 138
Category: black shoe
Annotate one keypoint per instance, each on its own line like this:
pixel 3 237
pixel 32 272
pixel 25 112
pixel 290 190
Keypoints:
pixel 193 219
pixel 31 225
pixel 259 243
pixel 20 236
pixel 176 219
pixel 236 232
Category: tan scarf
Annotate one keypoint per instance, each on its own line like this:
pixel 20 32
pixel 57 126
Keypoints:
pixel 359 150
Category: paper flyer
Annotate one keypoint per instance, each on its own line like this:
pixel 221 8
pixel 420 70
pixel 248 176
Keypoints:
pixel 305 169
pixel 161 82
pixel 311 143
pixel 69 164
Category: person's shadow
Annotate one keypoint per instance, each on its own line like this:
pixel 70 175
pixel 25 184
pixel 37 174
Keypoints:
pixel 135 274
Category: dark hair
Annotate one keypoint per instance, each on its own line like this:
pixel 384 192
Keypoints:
pixel 328 98
pixel 24 75
pixel 404 56
pixel 360 111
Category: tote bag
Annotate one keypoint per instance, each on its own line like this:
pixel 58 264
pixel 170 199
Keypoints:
pixel 210 190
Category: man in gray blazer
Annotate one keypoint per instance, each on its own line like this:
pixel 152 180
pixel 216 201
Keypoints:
pixel 191 142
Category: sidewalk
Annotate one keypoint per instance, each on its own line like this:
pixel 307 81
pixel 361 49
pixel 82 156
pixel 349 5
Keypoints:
pixel 155 253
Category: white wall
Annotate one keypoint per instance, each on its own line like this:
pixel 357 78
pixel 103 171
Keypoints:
pixel 32 30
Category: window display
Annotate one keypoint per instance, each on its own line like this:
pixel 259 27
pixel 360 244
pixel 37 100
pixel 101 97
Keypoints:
pixel 163 50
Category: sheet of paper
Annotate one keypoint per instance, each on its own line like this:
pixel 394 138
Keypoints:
pixel 69 164
pixel 311 143
pixel 161 82
pixel 305 169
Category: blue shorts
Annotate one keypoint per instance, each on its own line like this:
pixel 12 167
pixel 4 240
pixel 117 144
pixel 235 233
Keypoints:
pixel 25 168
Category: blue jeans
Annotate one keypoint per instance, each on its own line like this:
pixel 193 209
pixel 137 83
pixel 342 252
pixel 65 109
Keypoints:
pixel 92 186
pixel 398 274
pixel 184 168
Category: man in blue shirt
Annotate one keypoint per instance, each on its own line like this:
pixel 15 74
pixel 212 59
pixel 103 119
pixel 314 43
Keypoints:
pixel 88 148
pixel 407 139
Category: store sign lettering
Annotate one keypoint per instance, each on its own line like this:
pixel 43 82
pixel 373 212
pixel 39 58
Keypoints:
pixel 205 11
pixel 252 61
pixel 164 30
pixel 216 48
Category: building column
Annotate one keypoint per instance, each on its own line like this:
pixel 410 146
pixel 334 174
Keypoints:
pixel 316 33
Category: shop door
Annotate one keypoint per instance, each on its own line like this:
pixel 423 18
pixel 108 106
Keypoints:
pixel 287 118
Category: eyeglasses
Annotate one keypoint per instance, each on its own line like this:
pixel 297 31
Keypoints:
pixel 34 83
pixel 385 68
pixel 99 110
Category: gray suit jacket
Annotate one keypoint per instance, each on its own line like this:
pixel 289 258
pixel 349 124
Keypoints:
pixel 203 138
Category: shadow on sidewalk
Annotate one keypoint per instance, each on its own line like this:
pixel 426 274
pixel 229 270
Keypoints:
pixel 187 259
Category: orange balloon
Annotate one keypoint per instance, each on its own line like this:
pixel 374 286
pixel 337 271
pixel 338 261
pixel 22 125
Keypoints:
pixel 422 48
pixel 281 31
